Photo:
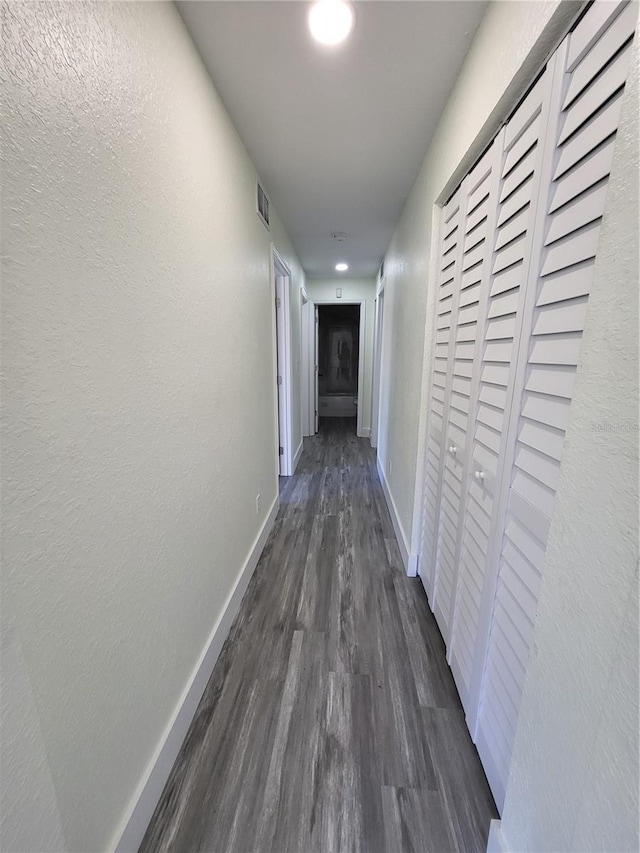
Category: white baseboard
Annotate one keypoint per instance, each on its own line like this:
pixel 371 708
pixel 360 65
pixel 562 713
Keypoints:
pixel 409 560
pixel 134 825
pixel 496 842
pixel 297 456
pixel 412 566
pixel 365 432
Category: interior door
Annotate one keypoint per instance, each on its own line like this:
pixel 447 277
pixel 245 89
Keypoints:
pixel 521 172
pixel 442 372
pixel 477 227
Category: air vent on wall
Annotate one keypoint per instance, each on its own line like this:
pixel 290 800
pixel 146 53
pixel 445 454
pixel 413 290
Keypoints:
pixel 263 206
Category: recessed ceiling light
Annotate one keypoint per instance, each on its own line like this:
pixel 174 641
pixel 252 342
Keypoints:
pixel 342 267
pixel 330 21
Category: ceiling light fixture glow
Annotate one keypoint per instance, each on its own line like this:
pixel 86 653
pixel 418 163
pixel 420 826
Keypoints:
pixel 331 21
pixel 342 267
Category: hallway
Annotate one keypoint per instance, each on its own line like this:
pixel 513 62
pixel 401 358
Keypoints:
pixel 331 721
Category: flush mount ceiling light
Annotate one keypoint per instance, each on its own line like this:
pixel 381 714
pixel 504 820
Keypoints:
pixel 342 267
pixel 331 21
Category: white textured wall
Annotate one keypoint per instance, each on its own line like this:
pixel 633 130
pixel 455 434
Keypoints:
pixel 509 42
pixel 138 399
pixel 325 290
pixel 574 775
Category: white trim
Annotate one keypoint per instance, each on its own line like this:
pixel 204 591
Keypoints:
pixel 361 357
pixel 315 361
pixel 281 278
pixel 311 343
pixel 384 392
pixel 297 456
pixel 274 357
pixel 366 432
pixel 428 359
pixel 262 219
pixel 360 430
pixel 409 560
pixel 307 405
pixel 133 827
pixel 412 567
pixel 496 842
pixel 377 365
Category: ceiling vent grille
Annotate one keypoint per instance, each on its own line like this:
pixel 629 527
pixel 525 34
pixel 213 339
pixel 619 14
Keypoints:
pixel 263 206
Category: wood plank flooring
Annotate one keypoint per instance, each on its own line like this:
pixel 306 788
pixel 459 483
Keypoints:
pixel 331 723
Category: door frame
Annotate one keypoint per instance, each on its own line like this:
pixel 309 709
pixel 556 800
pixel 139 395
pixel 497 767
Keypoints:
pixel 280 290
pixel 316 347
pixel 361 352
pixel 307 367
pixel 377 364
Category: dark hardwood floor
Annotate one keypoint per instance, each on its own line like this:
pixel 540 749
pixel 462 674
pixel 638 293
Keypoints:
pixel 331 723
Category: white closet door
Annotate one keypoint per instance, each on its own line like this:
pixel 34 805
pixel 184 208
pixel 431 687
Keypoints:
pixel 477 231
pixel 449 255
pixel 512 245
pixel 590 74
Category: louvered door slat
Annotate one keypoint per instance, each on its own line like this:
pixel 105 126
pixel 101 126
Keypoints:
pixel 527 140
pixel 552 350
pixel 525 114
pixel 504 303
pixel 586 174
pixel 561 317
pixel 606 84
pixel 591 69
pixel 590 30
pixel 515 227
pixel 601 52
pixel 516 201
pixel 582 211
pixel 542 437
pixel 601 126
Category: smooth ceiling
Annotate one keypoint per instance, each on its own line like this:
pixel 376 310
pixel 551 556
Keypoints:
pixel 337 134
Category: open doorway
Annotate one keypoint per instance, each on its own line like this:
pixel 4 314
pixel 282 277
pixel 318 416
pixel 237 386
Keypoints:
pixel 339 363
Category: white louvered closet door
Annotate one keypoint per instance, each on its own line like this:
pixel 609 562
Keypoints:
pixel 477 228
pixel 509 252
pixel 446 304
pixel 590 73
